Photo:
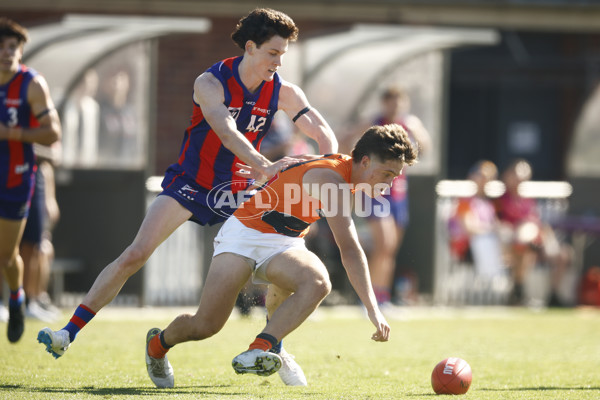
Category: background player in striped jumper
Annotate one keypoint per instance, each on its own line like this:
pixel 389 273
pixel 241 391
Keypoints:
pixel 27 116
pixel 388 227
pixel 234 102
pixel 264 239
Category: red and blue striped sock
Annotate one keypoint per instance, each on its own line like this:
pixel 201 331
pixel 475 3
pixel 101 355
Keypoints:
pixel 17 297
pixel 80 318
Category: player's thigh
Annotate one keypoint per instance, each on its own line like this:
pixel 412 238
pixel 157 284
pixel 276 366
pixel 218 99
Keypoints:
pixel 164 216
pixel 294 267
pixel 10 236
pixel 227 275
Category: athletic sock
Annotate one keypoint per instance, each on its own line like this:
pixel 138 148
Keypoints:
pixel 276 348
pixel 382 294
pixel 157 348
pixel 264 342
pixel 80 318
pixel 17 297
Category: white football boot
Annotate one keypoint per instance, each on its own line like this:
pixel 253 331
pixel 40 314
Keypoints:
pixel 159 369
pixel 56 342
pixel 256 361
pixel 290 372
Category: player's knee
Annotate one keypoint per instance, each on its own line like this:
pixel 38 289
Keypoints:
pixel 132 259
pixel 8 261
pixel 321 287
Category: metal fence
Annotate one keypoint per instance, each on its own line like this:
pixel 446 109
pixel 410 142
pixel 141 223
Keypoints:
pixel 457 283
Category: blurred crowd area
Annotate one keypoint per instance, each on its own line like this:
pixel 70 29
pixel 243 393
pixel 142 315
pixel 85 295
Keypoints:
pixel 501 207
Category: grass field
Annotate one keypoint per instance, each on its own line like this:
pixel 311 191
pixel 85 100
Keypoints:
pixel 514 354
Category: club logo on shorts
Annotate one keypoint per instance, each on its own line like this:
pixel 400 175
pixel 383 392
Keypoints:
pixel 188 192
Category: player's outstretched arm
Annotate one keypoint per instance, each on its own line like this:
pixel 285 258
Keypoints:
pixel 337 208
pixel 293 101
pixel 355 263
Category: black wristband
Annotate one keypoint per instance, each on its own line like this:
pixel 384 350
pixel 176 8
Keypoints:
pixel 41 114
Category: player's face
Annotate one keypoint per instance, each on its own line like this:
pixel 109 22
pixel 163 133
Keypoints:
pixel 378 175
pixel 11 52
pixel 268 57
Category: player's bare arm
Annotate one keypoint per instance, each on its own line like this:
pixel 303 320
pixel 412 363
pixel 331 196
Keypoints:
pixel 293 101
pixel 343 229
pixel 42 107
pixel 208 93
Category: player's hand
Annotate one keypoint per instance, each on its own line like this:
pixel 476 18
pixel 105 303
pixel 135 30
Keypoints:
pixel 278 165
pixel 383 328
pixel 259 178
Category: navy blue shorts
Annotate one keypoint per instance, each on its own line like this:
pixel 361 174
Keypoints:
pixel 15 203
pixel 34 228
pixel 14 209
pixel 207 206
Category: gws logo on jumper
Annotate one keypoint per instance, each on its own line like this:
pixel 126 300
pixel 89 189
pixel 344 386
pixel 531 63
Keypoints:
pixel 188 192
pixel 223 201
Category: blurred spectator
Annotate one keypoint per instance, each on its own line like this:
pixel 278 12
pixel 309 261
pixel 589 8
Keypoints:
pixel 474 227
pixel 388 227
pixel 119 137
pixel 527 237
pixel 81 123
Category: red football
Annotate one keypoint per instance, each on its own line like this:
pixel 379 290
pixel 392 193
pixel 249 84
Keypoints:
pixel 451 376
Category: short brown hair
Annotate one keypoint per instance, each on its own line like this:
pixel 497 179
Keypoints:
pixel 9 28
pixel 386 142
pixel 261 25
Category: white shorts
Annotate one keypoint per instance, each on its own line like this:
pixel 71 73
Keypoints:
pixel 258 247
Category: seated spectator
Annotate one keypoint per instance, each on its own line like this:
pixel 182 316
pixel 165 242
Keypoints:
pixel 473 227
pixel 527 237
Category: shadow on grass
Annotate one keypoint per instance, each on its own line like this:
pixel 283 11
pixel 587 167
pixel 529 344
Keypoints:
pixel 539 388
pixel 517 389
pixel 116 391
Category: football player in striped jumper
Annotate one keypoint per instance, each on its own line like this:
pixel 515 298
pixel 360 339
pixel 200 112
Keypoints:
pixel 234 103
pixel 27 116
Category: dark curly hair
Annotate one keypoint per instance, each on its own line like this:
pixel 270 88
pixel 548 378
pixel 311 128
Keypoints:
pixel 386 142
pixel 9 28
pixel 261 25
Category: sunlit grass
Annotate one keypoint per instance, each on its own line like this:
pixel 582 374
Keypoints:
pixel 514 354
